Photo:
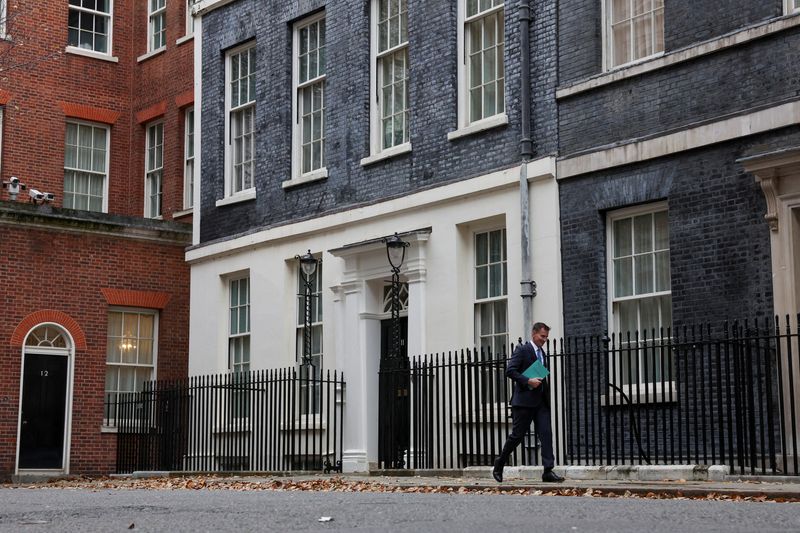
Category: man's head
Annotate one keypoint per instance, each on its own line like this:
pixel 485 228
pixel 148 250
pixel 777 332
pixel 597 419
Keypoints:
pixel 539 333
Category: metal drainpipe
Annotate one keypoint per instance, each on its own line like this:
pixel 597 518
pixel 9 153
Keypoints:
pixel 528 286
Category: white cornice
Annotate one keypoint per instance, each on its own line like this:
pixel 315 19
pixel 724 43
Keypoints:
pixel 205 6
pixel 726 129
pixel 359 214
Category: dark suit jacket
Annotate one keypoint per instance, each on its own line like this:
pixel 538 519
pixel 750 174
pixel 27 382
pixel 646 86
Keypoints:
pixel 523 395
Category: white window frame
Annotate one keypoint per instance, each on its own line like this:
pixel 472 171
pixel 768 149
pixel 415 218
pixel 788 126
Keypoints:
pixel 154 170
pixel 188 158
pixel 106 175
pixel 377 147
pixel 154 31
pixel 232 192
pixel 612 299
pixel 3 15
pixel 479 302
pixel 154 363
pixel 608 39
pixel 298 176
pixel 466 126
pixel 240 333
pixel 189 18
pixel 239 400
pixel 791 6
pixel 95 13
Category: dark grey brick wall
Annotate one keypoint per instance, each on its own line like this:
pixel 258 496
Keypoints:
pixel 690 21
pixel 432 93
pixel 719 242
pixel 685 22
pixel 753 75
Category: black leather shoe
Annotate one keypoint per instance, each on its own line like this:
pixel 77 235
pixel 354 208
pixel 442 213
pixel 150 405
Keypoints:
pixel 497 471
pixel 551 477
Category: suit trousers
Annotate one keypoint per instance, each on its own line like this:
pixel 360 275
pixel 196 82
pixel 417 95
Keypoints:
pixel 521 418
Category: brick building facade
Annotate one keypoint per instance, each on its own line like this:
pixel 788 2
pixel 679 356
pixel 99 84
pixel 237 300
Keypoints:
pixel 95 100
pixel 366 119
pixel 679 193
pixel 672 130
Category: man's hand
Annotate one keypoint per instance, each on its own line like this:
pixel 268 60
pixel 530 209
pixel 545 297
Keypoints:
pixel 534 382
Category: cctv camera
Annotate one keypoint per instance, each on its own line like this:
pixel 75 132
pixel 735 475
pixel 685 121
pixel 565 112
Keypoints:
pixel 35 194
pixel 14 186
pixel 49 197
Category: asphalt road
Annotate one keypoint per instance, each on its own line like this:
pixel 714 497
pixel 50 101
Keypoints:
pixel 34 510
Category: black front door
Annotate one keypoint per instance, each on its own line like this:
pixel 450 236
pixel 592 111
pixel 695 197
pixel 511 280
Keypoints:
pixel 394 422
pixel 44 401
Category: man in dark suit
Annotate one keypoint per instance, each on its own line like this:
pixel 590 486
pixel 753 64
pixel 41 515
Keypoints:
pixel 530 402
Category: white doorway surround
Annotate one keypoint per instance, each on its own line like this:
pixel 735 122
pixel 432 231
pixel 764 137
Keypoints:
pixel 359 303
pixel 778 173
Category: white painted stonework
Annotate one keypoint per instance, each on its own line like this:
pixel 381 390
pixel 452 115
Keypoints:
pixel 439 223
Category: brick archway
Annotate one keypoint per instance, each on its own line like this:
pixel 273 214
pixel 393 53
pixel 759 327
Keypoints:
pixel 53 316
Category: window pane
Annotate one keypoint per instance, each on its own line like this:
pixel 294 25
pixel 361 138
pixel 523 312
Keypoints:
pixel 623 277
pixel 487 327
pixel 481 282
pixel 500 317
pixel 495 280
pixel 127 379
pixel 648 317
pixel 496 246
pixel 622 237
pixel 113 352
pixel 115 324
pixel 661 230
pixel 481 248
pixel 627 318
pixel 644 269
pixel 642 231
pixel 145 352
pixel 620 10
pixel 662 271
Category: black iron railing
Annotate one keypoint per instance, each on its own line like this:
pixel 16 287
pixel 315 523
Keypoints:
pixel 458 411
pixel 694 395
pixel 267 420
pixel 691 395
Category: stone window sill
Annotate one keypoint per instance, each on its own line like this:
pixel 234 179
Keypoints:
pixel 479 126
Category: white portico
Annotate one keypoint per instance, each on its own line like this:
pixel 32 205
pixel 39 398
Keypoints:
pixel 361 303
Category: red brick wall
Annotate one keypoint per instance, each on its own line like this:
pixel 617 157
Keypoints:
pixel 65 272
pixel 48 78
pixel 43 269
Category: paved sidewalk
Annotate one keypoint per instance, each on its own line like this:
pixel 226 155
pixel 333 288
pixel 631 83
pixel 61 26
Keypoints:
pixel 782 488
pixel 754 488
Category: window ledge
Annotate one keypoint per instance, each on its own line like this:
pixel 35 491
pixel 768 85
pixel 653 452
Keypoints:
pixel 183 213
pixel 243 196
pixel 185 39
pixel 306 178
pixel 109 429
pixel 91 53
pixel 386 154
pixel 481 125
pixel 234 426
pixel 666 59
pixel 153 53
pixel 644 395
